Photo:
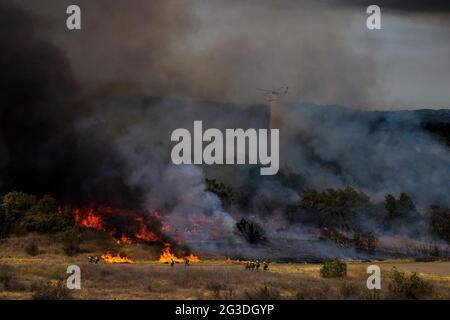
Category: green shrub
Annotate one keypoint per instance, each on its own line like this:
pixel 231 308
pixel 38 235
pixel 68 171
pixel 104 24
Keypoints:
pixel 404 287
pixel 23 213
pixel 43 217
pixel 333 269
pixel 13 207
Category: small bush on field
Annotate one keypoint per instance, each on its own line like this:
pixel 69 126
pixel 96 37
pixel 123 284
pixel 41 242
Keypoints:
pixel 404 287
pixel 32 248
pixel 333 269
pixel 51 291
pixel 265 292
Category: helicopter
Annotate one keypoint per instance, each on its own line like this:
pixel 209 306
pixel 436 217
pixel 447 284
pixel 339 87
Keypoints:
pixel 275 92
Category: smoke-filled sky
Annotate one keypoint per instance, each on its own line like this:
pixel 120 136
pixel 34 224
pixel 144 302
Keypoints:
pixel 222 50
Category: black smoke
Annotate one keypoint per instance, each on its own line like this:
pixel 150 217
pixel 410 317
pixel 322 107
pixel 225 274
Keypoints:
pixel 40 100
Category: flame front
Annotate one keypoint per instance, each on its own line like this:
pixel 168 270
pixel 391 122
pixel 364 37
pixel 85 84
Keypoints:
pixel 167 256
pixel 88 219
pixel 193 258
pixel 109 258
pixel 126 226
pixel 144 233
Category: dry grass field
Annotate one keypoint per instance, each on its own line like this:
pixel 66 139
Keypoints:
pixel 22 275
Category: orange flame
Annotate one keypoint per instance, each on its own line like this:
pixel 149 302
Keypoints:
pixel 136 230
pixel 109 258
pixel 124 240
pixel 89 219
pixel 167 256
pixel 193 258
pixel 144 233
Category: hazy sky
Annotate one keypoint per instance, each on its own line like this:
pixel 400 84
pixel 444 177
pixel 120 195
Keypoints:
pixel 413 51
pixel 222 50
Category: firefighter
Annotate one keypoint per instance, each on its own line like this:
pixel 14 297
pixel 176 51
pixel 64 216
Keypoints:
pixel 186 262
pixel 265 266
pixel 257 265
pixel 93 259
pixel 172 263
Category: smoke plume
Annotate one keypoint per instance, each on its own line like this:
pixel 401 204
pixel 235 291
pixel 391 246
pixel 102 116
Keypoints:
pixel 218 50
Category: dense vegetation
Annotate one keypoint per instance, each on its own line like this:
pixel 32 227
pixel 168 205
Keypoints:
pixel 22 213
pixel 339 208
pixel 346 216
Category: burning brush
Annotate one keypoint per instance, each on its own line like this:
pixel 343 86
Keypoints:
pixel 126 226
pixel 129 227
pixel 168 257
pixel 109 258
